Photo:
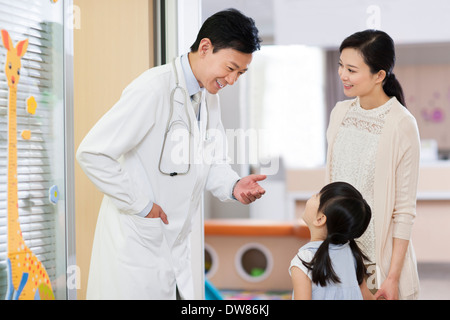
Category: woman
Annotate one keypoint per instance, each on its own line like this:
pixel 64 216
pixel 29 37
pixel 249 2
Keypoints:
pixel 373 144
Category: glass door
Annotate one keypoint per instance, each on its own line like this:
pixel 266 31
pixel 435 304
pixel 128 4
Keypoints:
pixel 35 173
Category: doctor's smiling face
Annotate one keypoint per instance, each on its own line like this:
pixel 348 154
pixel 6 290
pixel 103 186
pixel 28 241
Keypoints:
pixel 223 49
pixel 216 70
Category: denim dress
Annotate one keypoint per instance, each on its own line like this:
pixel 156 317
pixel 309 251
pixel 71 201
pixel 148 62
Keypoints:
pixel 343 265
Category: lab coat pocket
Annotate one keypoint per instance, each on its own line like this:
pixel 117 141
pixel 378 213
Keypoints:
pixel 149 229
pixel 143 237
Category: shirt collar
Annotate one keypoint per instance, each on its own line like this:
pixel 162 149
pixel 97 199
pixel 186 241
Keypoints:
pixel 192 85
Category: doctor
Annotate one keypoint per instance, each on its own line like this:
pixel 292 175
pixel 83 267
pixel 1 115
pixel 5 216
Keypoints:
pixel 141 246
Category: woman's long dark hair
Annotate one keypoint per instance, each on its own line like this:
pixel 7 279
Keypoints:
pixel 378 51
pixel 348 216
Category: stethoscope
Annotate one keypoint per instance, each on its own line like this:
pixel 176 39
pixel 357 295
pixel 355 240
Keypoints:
pixel 171 123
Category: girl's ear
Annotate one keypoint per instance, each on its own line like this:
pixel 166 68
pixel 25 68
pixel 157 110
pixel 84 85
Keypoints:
pixel 320 220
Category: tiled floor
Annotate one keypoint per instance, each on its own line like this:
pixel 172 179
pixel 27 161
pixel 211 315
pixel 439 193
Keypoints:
pixel 434 281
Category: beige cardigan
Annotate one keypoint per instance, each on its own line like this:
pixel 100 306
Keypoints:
pixel 395 187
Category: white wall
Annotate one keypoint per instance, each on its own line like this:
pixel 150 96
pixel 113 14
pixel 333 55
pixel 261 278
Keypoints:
pixel 326 23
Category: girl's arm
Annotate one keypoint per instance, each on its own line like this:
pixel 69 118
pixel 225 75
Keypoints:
pixel 301 284
pixel 367 295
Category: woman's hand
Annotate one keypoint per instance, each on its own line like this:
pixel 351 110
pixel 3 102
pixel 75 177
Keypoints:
pixel 388 290
pixel 389 287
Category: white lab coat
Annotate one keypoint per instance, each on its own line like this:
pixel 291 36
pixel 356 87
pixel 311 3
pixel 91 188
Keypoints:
pixel 135 257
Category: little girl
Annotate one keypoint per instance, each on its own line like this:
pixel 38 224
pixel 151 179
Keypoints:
pixel 331 266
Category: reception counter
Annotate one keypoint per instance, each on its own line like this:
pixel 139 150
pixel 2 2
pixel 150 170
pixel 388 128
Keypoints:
pixel 245 254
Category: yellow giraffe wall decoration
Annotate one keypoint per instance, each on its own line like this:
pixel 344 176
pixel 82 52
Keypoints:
pixel 27 277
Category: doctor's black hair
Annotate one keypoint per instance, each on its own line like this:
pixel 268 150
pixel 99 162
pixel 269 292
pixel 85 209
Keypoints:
pixel 347 218
pixel 378 50
pixel 229 29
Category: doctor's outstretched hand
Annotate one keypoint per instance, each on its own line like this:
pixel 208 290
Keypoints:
pixel 248 190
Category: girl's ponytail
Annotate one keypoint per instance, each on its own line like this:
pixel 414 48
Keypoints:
pixel 393 88
pixel 360 257
pixel 321 266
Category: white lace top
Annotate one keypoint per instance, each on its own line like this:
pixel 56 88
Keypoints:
pixel 353 158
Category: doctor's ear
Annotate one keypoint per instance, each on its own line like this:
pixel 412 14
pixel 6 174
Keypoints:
pixel 205 46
